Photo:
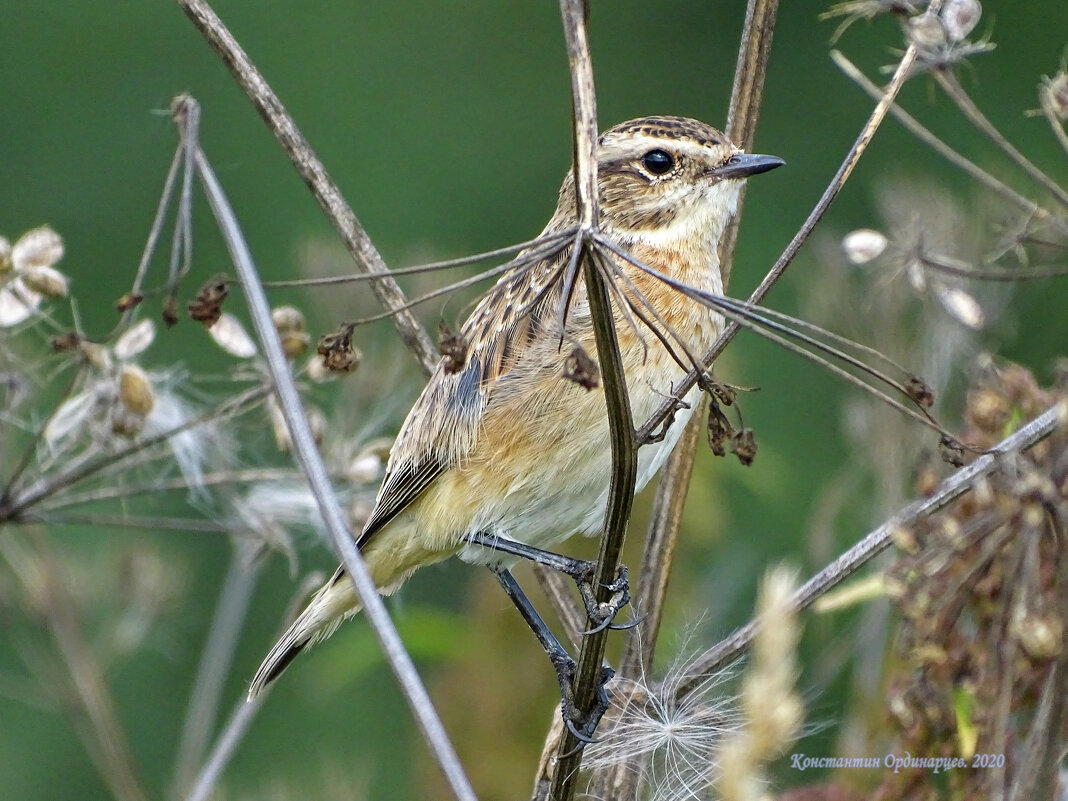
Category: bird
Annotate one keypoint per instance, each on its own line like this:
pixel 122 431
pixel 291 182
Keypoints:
pixel 506 452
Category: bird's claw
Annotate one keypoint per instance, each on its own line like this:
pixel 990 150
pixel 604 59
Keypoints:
pixel 601 614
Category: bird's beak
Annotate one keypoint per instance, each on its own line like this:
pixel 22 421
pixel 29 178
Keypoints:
pixel 742 165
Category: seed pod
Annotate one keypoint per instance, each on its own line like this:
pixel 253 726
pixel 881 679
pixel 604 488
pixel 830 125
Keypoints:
pixel 46 281
pixel 927 32
pixel 960 17
pixel 41 247
pixel 864 245
pixel 135 390
pixel 581 369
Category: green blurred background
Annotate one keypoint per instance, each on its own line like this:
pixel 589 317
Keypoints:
pixel 447 127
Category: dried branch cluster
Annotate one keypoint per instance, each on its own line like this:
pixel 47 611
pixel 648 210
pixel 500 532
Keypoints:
pixel 982 591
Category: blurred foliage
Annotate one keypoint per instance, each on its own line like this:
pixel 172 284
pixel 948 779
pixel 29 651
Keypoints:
pixel 446 126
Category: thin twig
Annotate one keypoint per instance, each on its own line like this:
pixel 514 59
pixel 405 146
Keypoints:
pixel 311 463
pixel 744 109
pixel 951 86
pixel 733 646
pixel 215 661
pixel 589 671
pixel 313 172
pixel 244 711
pixel 645 433
pixel 433 266
pixel 921 132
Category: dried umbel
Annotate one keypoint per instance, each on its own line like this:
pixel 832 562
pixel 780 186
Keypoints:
pixel 982 590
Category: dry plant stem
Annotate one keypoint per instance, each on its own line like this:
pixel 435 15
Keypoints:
pixel 243 712
pixel 662 535
pixel 855 152
pixel 319 482
pixel 242 717
pixel 878 540
pixel 589 669
pixel 744 109
pixel 333 280
pixel 250 476
pixel 315 176
pixel 215 661
pixel 670 499
pixel 103 735
pixel 921 132
pixel 186 525
pixel 951 86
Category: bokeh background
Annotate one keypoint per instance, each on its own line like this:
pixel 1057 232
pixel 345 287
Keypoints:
pixel 447 127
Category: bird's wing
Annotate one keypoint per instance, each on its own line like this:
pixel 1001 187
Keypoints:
pixel 443 425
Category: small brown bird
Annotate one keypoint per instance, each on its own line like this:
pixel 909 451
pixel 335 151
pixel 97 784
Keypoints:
pixel 505 456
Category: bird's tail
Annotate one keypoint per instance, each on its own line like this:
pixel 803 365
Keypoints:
pixel 333 603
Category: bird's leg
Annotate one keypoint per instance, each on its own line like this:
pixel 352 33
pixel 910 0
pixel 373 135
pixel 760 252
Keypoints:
pixel 580 724
pixel 601 614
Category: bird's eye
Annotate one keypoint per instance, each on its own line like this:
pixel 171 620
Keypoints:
pixel 658 162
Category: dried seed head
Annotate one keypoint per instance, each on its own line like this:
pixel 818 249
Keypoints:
pixel 170 311
pixel 41 247
pixel 1042 636
pixel 744 446
pixel 131 300
pixel 920 392
pixel 927 32
pixel 46 281
pixel 1055 90
pixel 289 323
pixel 581 369
pixel 126 423
pixel 67 342
pixel 288 318
pixel 206 307
pixel 864 245
pixel 960 17
pixel 135 390
pixel 97 355
pixel 338 352
pixel 718 429
pixel 951 451
pixel 453 348
pixel 988 410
